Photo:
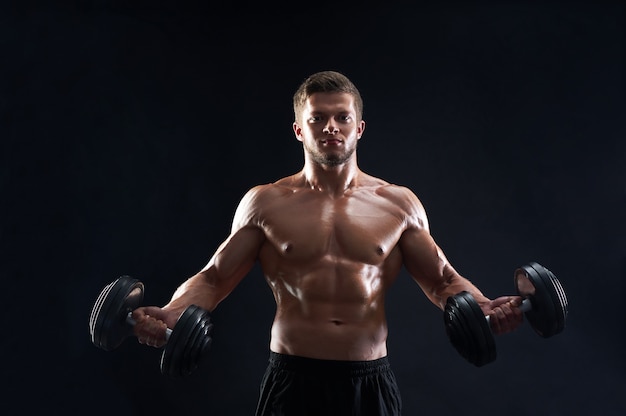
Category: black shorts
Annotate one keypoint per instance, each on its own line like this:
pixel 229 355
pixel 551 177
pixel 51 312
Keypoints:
pixel 298 386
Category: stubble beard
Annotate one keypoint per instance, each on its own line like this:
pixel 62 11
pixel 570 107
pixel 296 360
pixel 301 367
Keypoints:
pixel 330 160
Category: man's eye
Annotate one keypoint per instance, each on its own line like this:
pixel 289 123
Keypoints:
pixel 313 119
pixel 345 118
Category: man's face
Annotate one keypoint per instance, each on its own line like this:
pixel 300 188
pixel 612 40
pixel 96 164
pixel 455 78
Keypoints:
pixel 329 129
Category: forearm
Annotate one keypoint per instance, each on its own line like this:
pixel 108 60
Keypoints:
pixel 449 284
pixel 198 290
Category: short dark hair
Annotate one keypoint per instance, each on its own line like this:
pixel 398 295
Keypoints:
pixel 326 81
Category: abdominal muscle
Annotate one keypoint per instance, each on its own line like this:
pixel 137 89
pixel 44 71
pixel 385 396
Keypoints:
pixel 329 338
pixel 333 313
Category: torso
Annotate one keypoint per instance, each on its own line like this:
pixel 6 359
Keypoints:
pixel 329 261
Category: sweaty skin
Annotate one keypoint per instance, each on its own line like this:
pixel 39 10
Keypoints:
pixel 330 240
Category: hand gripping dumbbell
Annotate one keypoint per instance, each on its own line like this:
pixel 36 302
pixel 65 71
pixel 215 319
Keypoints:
pixel 544 305
pixel 110 323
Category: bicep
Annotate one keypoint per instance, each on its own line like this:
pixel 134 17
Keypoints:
pixel 235 256
pixel 430 268
pixel 238 253
pixel 423 258
pixel 230 263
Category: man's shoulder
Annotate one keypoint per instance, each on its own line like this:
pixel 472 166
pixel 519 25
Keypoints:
pixel 401 196
pixel 394 190
pixel 266 192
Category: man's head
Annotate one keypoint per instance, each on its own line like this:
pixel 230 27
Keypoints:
pixel 326 81
pixel 328 118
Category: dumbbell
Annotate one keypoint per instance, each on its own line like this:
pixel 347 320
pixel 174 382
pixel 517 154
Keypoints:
pixel 110 323
pixel 544 305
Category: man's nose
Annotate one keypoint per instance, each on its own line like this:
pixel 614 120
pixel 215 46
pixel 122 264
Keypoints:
pixel 330 129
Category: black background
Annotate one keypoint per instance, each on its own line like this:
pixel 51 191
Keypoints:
pixel 130 129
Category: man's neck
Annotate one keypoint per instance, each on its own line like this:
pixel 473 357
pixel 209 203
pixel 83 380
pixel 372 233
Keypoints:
pixel 334 180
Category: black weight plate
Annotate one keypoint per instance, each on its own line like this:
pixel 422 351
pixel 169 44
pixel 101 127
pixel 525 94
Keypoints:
pixel 200 342
pixel 94 330
pixel 107 322
pixel 454 329
pixel 452 326
pixel 546 315
pixel 463 340
pixel 470 346
pixel 195 347
pixel 206 339
pixel 188 364
pixel 480 330
pixel 173 356
pixel 542 315
pixel 562 301
pixel 473 342
pixel 465 332
pixel 557 294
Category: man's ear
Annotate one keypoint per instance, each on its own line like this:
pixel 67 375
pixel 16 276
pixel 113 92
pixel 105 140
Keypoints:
pixel 297 131
pixel 360 129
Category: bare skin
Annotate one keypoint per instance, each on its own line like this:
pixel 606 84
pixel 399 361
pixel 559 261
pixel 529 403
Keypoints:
pixel 331 240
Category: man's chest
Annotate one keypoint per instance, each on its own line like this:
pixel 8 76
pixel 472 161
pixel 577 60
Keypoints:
pixel 363 229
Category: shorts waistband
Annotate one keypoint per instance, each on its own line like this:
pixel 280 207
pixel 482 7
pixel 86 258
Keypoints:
pixel 354 368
